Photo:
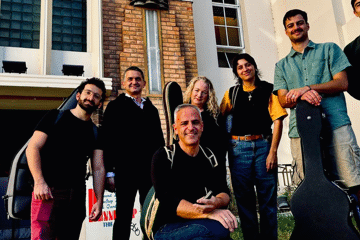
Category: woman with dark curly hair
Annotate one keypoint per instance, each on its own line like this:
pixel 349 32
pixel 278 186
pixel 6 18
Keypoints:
pixel 252 149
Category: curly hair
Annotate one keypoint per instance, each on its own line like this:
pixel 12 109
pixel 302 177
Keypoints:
pixel 211 104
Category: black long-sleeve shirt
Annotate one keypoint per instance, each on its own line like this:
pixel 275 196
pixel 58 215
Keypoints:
pixel 188 178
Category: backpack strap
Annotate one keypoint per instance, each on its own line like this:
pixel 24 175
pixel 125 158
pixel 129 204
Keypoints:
pixel 170 151
pixel 233 94
pixel 211 156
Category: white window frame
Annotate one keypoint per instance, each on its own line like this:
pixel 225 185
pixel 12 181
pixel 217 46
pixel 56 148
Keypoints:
pixel 227 48
pixel 153 51
pixel 45 65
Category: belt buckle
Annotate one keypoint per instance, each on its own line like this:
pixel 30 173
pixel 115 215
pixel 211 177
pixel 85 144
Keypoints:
pixel 246 136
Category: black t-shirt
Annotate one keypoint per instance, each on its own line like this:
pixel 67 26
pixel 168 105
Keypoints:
pixel 188 178
pixel 69 145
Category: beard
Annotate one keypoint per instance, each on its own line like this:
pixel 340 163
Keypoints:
pixel 87 108
pixel 299 39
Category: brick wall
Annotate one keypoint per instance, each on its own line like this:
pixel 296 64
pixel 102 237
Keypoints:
pixel 124 44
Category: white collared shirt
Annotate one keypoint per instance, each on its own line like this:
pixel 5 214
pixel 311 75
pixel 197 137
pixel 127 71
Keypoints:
pixel 141 105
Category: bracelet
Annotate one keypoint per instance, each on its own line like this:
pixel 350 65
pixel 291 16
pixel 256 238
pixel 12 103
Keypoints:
pixel 309 87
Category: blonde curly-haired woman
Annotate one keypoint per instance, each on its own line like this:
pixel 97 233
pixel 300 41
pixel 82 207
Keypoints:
pixel 201 93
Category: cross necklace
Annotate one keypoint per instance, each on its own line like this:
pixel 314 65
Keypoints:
pixel 250 96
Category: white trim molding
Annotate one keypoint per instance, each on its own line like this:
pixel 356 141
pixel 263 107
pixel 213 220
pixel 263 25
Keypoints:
pixel 45 81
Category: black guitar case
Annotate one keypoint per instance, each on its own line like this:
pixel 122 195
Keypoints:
pixel 172 97
pixel 320 208
pixel 18 195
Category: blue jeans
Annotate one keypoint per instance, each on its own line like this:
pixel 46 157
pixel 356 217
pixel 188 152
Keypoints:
pixel 200 229
pixel 247 161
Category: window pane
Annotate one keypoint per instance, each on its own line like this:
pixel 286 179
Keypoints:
pixel 69 25
pixel 67 39
pixel 4 24
pixel 26 26
pixel 15 25
pixel 5 6
pixel 153 52
pixel 15 34
pixel 231 17
pixel 15 42
pixel 218 16
pixel 77 47
pixel 27 8
pixel 26 36
pixel 225 59
pixel 228 31
pixel 220 33
pixel 56 37
pixel 4 34
pixel 27 17
pixel 233 34
pixel 16 16
pixel 36 36
pixel 77 30
pixel 77 5
pixel 66 47
pixel 56 29
pixel 222 60
pixel 4 41
pixel 56 45
pixel 230 57
pixel 5 14
pixel 16 7
pixel 19 20
pixel 230 1
pixel 66 30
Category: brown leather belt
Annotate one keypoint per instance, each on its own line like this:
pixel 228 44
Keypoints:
pixel 247 137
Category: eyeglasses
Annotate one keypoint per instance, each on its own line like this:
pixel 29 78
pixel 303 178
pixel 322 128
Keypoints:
pixel 89 93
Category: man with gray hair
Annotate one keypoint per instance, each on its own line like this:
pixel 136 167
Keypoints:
pixel 191 187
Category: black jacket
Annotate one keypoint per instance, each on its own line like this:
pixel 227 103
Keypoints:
pixel 131 135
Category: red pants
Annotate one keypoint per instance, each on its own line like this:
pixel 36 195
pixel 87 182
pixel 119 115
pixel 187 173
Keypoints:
pixel 58 218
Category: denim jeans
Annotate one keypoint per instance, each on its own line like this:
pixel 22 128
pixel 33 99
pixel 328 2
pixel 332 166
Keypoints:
pixel 201 229
pixel 247 161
